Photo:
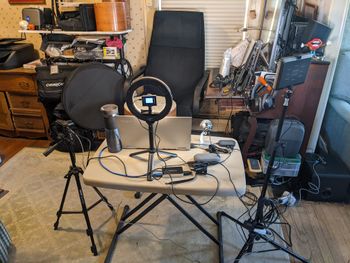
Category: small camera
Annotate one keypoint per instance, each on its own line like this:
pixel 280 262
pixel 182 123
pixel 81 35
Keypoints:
pixel 149 101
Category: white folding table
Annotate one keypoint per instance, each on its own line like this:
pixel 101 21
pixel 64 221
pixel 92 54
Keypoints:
pixel 203 185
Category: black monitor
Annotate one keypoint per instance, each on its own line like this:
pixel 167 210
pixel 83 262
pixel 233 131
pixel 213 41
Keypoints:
pixel 292 71
pixel 316 29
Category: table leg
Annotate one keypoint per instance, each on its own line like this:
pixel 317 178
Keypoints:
pixel 195 222
pixel 202 209
pixel 115 236
pixel 121 228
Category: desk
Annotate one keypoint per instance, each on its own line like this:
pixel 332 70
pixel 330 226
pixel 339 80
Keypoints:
pixel 95 175
pixel 218 105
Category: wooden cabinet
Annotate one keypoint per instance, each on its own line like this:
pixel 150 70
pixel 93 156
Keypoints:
pixel 21 114
pixel 303 105
pixel 5 114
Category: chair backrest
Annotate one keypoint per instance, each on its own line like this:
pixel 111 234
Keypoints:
pixel 176 54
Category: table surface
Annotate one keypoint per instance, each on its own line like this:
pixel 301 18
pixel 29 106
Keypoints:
pixel 203 185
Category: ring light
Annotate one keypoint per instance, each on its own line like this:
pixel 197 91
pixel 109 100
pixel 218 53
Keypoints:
pixel 163 89
pixel 150 117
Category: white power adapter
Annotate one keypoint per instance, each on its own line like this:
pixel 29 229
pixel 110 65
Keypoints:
pixel 287 199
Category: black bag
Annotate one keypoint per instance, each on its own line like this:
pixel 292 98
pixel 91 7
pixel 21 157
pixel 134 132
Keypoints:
pixel 82 20
pixel 87 17
pixel 50 86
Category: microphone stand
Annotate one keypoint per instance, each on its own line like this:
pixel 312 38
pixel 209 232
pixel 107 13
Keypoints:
pixel 256 227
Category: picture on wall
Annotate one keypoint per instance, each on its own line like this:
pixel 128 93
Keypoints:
pixel 27 1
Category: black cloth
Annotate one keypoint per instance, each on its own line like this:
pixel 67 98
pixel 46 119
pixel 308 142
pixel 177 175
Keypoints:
pixel 176 54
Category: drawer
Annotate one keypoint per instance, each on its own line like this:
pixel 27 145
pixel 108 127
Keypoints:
pixel 5 114
pixel 29 123
pixel 18 83
pixel 18 101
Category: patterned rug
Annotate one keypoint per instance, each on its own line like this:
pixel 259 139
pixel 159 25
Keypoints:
pixel 28 211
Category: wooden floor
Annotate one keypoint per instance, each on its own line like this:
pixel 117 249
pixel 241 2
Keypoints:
pixel 10 146
pixel 319 230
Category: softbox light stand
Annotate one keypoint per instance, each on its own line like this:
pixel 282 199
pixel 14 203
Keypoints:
pixel 291 71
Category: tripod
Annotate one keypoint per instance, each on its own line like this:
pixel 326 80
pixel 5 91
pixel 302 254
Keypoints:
pixel 151 151
pixel 255 226
pixel 76 171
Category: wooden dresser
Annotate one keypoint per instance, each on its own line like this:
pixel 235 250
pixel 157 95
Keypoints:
pixel 21 114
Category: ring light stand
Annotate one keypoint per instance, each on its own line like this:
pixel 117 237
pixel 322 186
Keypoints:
pixel 149 116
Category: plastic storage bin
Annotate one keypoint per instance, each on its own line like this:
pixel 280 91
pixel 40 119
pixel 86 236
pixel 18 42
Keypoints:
pixel 282 166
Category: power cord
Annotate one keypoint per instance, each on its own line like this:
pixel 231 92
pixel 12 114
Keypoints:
pixel 81 146
pixel 171 178
pixel 313 188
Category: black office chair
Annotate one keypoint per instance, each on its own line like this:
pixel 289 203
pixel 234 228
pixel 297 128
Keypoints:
pixel 176 56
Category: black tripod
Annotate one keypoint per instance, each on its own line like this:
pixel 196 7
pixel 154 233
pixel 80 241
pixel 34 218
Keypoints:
pixel 255 226
pixel 151 151
pixel 76 171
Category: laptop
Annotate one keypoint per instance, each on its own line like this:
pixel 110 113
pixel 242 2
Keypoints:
pixel 174 132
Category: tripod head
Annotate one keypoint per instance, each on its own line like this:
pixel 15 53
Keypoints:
pixel 65 135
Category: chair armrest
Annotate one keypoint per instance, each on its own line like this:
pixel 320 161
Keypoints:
pixel 128 81
pixel 199 92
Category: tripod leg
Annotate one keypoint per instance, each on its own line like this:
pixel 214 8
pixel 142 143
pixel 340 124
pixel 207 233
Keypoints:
pixel 169 155
pixel 288 251
pixel 245 247
pixel 89 231
pixel 59 212
pixel 104 198
pixel 138 153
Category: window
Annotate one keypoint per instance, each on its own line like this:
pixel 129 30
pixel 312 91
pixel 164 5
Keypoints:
pixel 222 19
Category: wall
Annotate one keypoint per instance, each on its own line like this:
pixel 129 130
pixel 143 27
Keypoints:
pixel 346 38
pixel 336 19
pixel 10 15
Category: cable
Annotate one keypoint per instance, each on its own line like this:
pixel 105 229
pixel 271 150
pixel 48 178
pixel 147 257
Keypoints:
pixel 100 158
pixel 89 146
pixel 81 145
pixel 171 178
pixel 313 189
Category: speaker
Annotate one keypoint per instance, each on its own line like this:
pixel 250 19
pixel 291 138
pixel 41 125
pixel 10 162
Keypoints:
pixel 33 16
pixel 334 178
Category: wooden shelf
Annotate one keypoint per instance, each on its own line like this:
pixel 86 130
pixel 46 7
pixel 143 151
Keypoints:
pixel 75 33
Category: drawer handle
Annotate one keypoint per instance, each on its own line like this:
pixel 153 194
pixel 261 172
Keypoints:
pixel 23 85
pixel 29 124
pixel 25 104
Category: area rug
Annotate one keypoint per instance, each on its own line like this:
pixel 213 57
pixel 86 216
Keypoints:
pixel 28 211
